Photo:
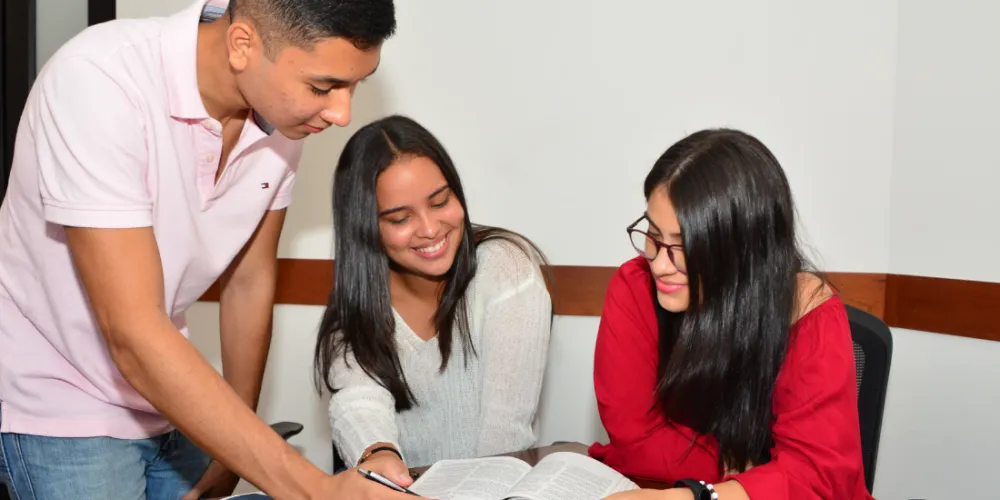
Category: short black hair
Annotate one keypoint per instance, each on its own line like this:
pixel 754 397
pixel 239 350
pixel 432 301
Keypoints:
pixel 302 23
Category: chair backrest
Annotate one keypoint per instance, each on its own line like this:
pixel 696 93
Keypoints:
pixel 872 357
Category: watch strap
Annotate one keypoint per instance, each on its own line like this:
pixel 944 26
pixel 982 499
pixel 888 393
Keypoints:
pixel 701 489
pixel 377 449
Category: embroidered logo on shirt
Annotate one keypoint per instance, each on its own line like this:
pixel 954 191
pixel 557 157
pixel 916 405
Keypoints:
pixel 264 185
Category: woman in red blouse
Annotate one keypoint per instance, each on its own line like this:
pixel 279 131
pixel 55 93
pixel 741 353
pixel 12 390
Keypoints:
pixel 749 388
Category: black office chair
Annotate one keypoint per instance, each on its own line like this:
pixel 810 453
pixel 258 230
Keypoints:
pixel 287 429
pixel 284 429
pixel 872 357
pixel 338 461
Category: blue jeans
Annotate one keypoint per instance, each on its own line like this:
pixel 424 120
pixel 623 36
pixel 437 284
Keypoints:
pixel 163 467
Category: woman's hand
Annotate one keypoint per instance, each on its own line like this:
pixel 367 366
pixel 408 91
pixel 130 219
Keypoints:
pixel 671 494
pixel 351 485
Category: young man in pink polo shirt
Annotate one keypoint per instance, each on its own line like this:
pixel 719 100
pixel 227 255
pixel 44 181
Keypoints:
pixel 153 157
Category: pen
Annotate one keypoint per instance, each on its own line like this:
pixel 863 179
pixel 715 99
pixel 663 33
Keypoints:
pixel 383 481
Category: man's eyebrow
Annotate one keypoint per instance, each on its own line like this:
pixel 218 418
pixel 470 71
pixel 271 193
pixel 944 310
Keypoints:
pixel 340 82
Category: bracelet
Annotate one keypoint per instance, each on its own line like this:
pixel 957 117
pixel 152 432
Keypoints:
pixel 701 489
pixel 373 451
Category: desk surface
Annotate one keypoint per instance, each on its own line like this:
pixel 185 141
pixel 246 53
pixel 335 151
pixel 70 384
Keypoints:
pixel 533 455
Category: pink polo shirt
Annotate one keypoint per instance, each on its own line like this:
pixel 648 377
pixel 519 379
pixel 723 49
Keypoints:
pixel 114 135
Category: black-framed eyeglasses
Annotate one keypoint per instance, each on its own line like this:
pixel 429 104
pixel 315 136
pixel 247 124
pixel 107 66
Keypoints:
pixel 649 247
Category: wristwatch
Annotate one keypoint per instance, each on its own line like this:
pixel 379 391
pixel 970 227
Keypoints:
pixel 701 489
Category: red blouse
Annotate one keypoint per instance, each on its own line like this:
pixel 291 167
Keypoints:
pixel 817 440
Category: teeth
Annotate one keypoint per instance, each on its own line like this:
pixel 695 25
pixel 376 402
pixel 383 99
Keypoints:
pixel 432 249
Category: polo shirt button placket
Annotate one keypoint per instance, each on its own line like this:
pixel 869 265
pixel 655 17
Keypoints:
pixel 207 166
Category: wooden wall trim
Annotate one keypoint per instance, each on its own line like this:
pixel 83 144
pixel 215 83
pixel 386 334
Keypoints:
pixel 300 281
pixel 955 307
pixel 865 291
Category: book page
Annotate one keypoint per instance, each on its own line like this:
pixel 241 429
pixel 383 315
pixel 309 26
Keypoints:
pixel 472 479
pixel 570 476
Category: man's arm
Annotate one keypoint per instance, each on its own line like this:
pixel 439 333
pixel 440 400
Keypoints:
pixel 122 274
pixel 245 306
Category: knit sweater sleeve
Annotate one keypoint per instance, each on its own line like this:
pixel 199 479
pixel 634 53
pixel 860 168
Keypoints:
pixel 514 310
pixel 362 412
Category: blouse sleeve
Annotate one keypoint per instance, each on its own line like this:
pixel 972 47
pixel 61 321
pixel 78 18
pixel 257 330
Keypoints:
pixel 625 375
pixel 516 326
pixel 362 412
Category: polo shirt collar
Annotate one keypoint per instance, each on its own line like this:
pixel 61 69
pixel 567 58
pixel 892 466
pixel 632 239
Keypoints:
pixel 179 46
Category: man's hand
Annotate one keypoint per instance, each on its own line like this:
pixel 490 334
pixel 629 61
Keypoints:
pixel 216 482
pixel 389 466
pixel 351 484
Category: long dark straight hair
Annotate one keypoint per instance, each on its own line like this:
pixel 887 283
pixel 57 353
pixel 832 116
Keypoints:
pixel 358 315
pixel 719 360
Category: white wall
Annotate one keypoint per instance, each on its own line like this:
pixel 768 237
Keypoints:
pixel 145 8
pixel 555 110
pixel 944 392
pixel 939 436
pixel 945 203
pixel 56 21
pixel 581 101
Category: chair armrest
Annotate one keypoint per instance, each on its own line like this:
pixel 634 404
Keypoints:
pixel 287 429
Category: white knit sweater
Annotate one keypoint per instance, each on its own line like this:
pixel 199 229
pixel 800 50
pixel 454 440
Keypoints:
pixel 484 408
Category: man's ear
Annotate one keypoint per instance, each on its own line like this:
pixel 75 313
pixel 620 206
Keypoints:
pixel 243 43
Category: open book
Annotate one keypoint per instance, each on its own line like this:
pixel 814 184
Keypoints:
pixel 559 476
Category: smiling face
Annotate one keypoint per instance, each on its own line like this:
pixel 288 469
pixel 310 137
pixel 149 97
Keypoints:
pixel 671 285
pixel 301 91
pixel 421 221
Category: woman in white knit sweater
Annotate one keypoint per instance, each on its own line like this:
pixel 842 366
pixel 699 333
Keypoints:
pixel 435 336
